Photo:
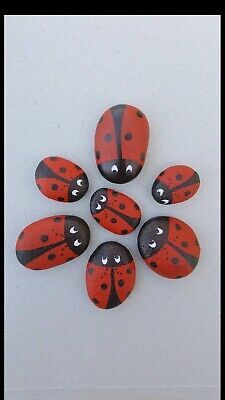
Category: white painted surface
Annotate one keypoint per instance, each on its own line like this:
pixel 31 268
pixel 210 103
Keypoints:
pixel 62 72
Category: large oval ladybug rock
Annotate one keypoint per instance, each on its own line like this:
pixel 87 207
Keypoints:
pixel 121 142
pixel 115 211
pixel 110 275
pixel 175 184
pixel 52 241
pixel 61 180
pixel 169 247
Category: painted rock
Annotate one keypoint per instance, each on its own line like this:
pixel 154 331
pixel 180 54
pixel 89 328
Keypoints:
pixel 52 241
pixel 121 142
pixel 169 247
pixel 115 211
pixel 175 184
pixel 61 180
pixel 110 275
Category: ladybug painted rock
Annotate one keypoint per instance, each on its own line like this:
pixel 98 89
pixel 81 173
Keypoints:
pixel 175 184
pixel 52 241
pixel 169 247
pixel 115 211
pixel 61 180
pixel 110 275
pixel 121 142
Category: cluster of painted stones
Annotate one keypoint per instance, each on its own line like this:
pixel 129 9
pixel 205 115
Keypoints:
pixel 167 245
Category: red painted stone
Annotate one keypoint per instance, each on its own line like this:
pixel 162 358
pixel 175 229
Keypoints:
pixel 169 247
pixel 115 211
pixel 52 241
pixel 110 275
pixel 61 180
pixel 121 142
pixel 175 184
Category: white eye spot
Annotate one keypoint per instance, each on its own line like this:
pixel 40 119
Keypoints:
pixel 74 192
pixel 161 191
pixel 114 168
pixel 98 207
pixel 117 259
pixel 80 182
pixel 77 243
pixel 153 244
pixel 165 201
pixel 104 260
pixel 160 231
pixel 103 198
pixel 72 230
pixel 129 168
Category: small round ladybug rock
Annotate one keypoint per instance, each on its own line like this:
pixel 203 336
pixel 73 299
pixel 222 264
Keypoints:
pixel 169 247
pixel 52 241
pixel 115 211
pixel 121 142
pixel 61 180
pixel 110 275
pixel 175 184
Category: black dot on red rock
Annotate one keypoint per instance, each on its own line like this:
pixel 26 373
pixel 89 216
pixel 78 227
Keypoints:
pixel 122 206
pixel 114 193
pixel 121 283
pixel 53 158
pixel 54 187
pixel 139 114
pixel 44 238
pixel 51 256
pixel 114 220
pixel 21 235
pixel 98 155
pixel 108 137
pixel 142 156
pixel 153 264
pixel 187 193
pixel 178 227
pixel 128 136
pixel 179 177
pixel 129 271
pixel 62 169
pixel 90 271
pixel 184 244
pixel 69 259
pixel 104 286
pixel 60 198
pixel 95 301
pixel 97 219
pixel 57 219
pixel 175 260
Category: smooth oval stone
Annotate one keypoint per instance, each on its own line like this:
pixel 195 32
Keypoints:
pixel 175 185
pixel 52 241
pixel 61 180
pixel 110 275
pixel 121 142
pixel 115 211
pixel 169 247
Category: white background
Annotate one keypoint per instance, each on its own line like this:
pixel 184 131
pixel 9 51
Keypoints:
pixel 62 72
